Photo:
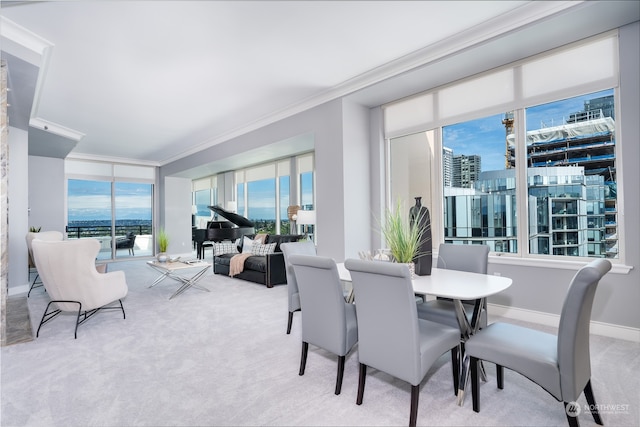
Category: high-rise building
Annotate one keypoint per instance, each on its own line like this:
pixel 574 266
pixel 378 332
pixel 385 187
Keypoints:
pixel 571 181
pixel 447 166
pixel 466 170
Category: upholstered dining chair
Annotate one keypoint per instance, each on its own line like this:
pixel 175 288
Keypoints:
pixel 69 275
pixel 470 258
pixel 328 321
pixel 306 247
pixel 42 235
pixel 392 338
pixel 561 363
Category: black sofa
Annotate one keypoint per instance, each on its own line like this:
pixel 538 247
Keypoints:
pixel 267 269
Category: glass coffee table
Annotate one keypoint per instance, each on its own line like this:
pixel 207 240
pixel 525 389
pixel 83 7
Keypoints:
pixel 177 271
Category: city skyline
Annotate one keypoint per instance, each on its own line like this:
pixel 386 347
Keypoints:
pixel 486 136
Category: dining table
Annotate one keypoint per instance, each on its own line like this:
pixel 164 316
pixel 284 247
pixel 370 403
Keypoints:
pixel 457 286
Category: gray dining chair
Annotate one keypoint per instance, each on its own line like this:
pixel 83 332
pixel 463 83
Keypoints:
pixel 470 258
pixel 294 248
pixel 328 321
pixel 392 338
pixel 561 363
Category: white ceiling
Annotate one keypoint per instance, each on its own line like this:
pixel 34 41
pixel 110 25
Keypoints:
pixel 153 81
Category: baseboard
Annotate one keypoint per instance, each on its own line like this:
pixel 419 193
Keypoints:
pixel 17 290
pixel 597 328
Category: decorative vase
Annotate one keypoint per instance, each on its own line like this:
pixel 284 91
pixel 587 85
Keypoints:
pixel 162 257
pixel 424 259
pixel 412 269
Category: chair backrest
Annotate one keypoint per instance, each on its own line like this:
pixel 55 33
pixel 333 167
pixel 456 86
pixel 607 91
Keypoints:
pixel 68 272
pixel 388 332
pixel 573 333
pixel 324 322
pixel 295 248
pixel 471 258
pixel 43 235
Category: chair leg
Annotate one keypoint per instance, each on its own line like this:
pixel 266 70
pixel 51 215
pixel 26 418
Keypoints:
pixel 34 284
pixel 48 315
pixel 593 407
pixel 289 322
pixel 361 381
pixel 303 357
pixel 415 394
pixel 475 389
pixel 572 414
pixel 75 333
pixel 500 376
pixel 341 360
pixel 455 367
pixel 124 316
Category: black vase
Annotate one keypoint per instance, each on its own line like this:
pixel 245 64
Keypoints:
pixel 423 260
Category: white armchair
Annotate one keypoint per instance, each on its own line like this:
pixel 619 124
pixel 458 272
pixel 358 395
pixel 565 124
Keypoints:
pixel 69 275
pixel 44 235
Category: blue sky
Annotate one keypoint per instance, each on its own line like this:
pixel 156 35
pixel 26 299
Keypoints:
pixel 91 200
pixel 486 136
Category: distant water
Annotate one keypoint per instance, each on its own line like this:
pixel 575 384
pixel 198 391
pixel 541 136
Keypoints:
pixel 107 222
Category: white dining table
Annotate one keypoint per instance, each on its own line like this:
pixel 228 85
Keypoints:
pixel 458 286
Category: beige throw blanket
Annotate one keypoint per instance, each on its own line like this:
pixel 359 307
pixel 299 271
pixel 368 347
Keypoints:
pixel 236 263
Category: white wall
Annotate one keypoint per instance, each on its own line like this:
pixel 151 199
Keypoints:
pixel 356 179
pixel 47 193
pixel 18 279
pixel 176 214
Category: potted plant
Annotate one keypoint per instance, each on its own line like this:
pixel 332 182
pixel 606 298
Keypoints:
pixel 402 239
pixel 163 244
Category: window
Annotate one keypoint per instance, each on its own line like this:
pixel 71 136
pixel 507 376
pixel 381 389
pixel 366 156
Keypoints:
pixel 479 191
pixel 264 192
pixel 111 211
pixel 284 189
pixel 527 165
pixel 571 165
pixel 204 194
pixel 261 207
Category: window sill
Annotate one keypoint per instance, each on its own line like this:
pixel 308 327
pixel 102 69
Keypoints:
pixel 616 268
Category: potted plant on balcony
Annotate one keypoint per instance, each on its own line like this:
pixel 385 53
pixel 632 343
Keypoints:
pixel 403 239
pixel 163 244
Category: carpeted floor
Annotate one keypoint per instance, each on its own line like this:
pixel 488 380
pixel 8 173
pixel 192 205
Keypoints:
pixel 223 358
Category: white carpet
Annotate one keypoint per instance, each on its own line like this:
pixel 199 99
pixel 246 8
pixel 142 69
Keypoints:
pixel 223 358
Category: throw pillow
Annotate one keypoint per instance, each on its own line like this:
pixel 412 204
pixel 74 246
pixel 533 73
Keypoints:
pixel 226 247
pixel 247 243
pixel 263 249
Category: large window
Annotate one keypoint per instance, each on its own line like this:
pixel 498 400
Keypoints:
pixel 571 174
pixel 264 192
pixel 112 203
pixel 479 190
pixel 527 164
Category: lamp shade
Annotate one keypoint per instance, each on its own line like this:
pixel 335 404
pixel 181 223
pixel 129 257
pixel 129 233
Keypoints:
pixel 232 206
pixel 306 217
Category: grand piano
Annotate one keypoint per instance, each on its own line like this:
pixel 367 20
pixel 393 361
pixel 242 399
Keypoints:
pixel 217 231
